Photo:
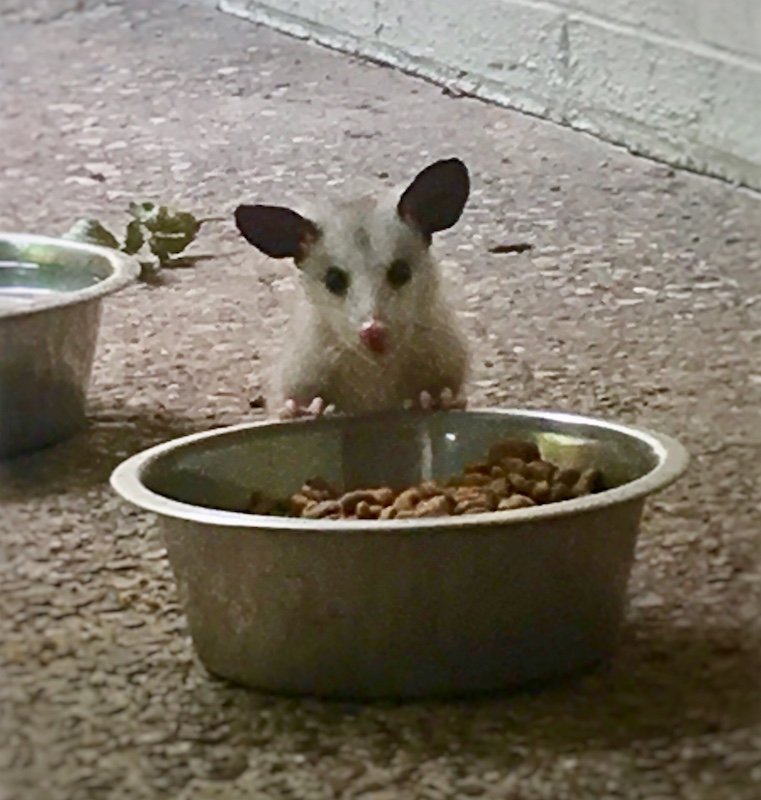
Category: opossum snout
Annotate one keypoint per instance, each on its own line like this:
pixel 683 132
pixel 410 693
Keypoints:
pixel 374 335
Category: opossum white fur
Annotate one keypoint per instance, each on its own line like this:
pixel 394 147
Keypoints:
pixel 362 237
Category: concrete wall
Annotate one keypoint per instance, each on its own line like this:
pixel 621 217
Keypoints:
pixel 679 80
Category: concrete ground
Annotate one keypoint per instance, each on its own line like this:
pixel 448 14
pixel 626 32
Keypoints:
pixel 639 301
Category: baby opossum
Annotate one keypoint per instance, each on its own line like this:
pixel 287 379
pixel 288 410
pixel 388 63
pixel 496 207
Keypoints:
pixel 375 331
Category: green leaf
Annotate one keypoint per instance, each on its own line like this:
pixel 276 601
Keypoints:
pixel 168 221
pixel 92 232
pixel 165 231
pixel 171 231
pixel 134 239
pixel 164 246
pixel 142 211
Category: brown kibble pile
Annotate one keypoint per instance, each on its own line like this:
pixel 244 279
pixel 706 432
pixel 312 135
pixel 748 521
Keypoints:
pixel 512 476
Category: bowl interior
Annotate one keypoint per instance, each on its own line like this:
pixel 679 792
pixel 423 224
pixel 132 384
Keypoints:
pixel 32 271
pixel 220 471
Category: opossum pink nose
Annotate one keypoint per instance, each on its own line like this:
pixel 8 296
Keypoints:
pixel 374 335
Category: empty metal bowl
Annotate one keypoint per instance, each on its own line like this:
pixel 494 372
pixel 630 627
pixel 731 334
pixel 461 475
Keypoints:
pixel 50 293
pixel 397 609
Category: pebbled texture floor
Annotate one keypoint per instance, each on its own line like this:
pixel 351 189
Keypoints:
pixel 639 301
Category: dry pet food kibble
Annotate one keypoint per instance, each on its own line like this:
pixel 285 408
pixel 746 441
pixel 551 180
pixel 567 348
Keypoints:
pixel 512 476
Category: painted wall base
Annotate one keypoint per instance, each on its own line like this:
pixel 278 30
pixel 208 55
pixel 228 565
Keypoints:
pixel 684 102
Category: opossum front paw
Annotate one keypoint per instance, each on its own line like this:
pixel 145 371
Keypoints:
pixel 446 401
pixel 317 408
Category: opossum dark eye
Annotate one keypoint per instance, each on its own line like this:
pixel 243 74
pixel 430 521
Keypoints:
pixel 336 281
pixel 399 273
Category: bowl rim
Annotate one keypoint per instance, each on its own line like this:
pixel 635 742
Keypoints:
pixel 126 481
pixel 125 269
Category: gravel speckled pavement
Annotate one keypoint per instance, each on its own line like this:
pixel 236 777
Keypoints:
pixel 640 301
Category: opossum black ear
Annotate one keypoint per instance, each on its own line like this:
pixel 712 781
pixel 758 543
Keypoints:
pixel 435 199
pixel 276 231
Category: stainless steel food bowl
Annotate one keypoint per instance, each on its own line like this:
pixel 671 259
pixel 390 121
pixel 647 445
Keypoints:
pixel 50 293
pixel 397 609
